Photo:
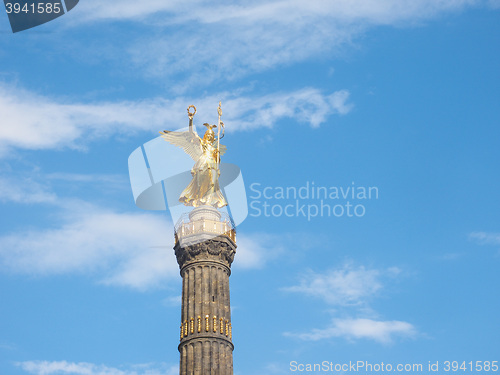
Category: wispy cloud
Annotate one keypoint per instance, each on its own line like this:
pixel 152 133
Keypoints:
pixel 450 256
pixel 85 368
pixel 33 121
pixel 377 330
pixel 485 238
pixel 107 179
pixel 350 290
pixel 284 11
pixel 257 249
pixel 308 106
pixel 123 249
pixel 7 346
pixel 22 185
pixel 494 3
pixel 24 190
pixel 345 286
pixel 257 36
pixel 175 301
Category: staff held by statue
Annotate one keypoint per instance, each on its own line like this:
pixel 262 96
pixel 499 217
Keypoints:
pixel 219 125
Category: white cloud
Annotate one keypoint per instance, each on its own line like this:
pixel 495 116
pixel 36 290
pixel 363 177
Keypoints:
pixel 379 11
pixel 345 286
pixel 175 301
pixel 307 105
pixel 450 256
pixel 133 250
pixel 349 289
pixel 204 42
pixel 255 250
pixel 380 331
pixel 485 238
pixel 494 3
pixel 32 121
pixel 24 190
pixel 199 56
pixel 8 346
pixel 127 9
pixel 107 179
pixel 29 186
pixel 85 368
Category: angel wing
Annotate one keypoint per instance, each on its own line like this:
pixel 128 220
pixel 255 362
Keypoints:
pixel 222 148
pixel 189 141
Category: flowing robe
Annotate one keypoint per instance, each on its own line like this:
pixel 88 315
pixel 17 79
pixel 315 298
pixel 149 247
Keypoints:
pixel 204 190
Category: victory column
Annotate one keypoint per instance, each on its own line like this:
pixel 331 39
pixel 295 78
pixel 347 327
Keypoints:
pixel 205 245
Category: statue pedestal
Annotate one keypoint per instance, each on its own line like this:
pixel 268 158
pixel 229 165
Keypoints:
pixel 203 223
pixel 204 213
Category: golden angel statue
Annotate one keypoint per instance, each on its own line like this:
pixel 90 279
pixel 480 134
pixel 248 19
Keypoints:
pixel 203 190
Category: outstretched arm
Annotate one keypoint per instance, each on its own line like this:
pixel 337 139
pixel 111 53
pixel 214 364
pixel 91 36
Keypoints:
pixel 191 115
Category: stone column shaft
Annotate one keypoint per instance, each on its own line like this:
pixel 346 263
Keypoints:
pixel 206 346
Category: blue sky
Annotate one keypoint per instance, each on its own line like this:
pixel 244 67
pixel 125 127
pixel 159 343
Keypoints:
pixel 398 95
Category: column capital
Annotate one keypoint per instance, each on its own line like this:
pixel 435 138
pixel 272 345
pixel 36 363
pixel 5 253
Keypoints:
pixel 220 249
